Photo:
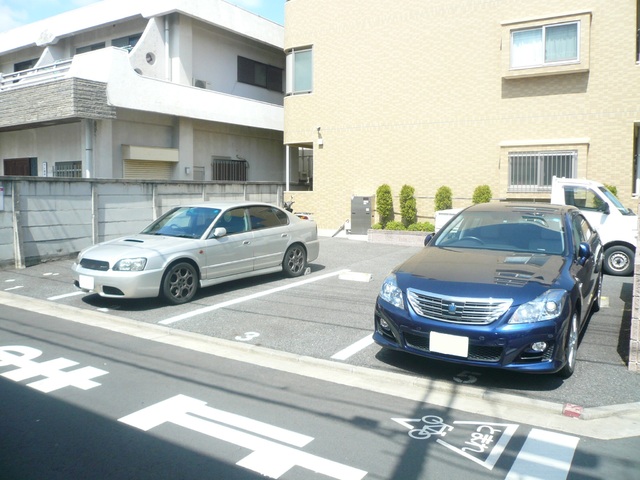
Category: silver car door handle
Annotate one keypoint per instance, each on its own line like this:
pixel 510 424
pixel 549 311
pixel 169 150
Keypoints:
pixel 246 242
pixel 285 235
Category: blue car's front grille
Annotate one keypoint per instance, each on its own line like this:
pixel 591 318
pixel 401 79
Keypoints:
pixel 457 309
pixel 478 353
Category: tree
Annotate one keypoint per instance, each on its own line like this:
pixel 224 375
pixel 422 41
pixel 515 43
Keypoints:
pixel 482 194
pixel 384 204
pixel 444 199
pixel 408 208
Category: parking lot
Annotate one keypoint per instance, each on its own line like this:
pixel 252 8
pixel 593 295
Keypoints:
pixel 328 314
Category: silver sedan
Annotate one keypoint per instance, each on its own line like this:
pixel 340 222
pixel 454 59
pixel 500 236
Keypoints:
pixel 198 246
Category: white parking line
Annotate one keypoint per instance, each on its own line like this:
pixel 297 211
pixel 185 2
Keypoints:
pixel 217 306
pixel 353 349
pixel 58 297
pixel 13 288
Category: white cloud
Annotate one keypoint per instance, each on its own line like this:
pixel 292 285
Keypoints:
pixel 11 16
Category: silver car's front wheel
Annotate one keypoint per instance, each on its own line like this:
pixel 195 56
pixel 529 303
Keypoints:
pixel 180 283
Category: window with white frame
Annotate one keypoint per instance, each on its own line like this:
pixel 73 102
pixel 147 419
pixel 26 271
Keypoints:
pixel 533 171
pixel 299 71
pixel 545 45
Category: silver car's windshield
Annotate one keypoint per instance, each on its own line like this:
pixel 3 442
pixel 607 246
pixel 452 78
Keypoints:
pixel 185 222
pixel 523 230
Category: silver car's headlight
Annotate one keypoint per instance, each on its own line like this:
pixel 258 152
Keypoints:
pixel 130 265
pixel 391 293
pixel 547 306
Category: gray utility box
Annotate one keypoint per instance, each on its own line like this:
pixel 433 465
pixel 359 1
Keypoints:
pixel 362 214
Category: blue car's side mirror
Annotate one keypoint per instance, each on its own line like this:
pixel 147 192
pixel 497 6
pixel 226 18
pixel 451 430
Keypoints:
pixel 584 252
pixel 427 239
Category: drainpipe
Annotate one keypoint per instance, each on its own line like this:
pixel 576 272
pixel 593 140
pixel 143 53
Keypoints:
pixel 167 56
pixel 89 126
pixel 287 161
pixel 637 191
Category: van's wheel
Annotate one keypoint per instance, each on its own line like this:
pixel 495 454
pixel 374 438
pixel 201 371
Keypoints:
pixel 571 346
pixel 179 283
pixel 618 260
pixel 295 261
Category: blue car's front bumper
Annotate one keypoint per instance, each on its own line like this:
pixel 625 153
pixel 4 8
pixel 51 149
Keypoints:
pixel 498 344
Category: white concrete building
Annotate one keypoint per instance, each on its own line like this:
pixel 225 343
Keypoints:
pixel 147 89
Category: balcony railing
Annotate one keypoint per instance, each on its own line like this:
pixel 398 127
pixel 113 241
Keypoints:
pixel 34 76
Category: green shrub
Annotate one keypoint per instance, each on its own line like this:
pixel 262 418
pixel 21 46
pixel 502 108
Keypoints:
pixel 612 188
pixel 376 226
pixel 482 194
pixel 393 225
pixel 421 227
pixel 384 204
pixel 444 198
pixel 408 208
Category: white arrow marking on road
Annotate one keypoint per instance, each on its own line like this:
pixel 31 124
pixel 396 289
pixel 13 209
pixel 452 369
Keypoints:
pixel 268 457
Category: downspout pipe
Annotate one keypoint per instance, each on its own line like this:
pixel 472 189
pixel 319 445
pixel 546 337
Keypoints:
pixel 89 128
pixel 167 51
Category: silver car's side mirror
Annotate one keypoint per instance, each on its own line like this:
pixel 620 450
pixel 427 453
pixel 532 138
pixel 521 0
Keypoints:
pixel 218 232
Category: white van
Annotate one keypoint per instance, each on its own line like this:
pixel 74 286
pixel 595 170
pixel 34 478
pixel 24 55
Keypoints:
pixel 616 224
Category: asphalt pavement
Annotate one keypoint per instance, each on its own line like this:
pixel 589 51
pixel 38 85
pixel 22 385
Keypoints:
pixel 314 320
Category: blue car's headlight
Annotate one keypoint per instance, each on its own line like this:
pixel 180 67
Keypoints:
pixel 547 306
pixel 130 265
pixel 390 292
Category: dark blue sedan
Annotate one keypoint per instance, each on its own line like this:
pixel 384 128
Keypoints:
pixel 504 285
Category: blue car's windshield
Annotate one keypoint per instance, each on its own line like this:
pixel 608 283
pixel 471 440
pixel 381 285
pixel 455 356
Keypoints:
pixel 524 230
pixel 186 222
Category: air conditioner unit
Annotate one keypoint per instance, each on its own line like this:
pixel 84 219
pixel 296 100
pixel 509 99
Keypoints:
pixel 201 83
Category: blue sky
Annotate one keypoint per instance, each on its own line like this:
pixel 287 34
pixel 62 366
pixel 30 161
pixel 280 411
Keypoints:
pixel 14 13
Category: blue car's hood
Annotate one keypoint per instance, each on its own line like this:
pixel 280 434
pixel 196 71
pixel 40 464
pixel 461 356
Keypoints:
pixel 480 273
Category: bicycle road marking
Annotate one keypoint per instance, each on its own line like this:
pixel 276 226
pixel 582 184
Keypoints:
pixel 211 308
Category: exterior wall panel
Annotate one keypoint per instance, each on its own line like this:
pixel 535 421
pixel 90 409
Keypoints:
pixel 418 95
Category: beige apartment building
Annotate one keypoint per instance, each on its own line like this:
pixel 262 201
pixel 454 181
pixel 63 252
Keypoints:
pixel 458 93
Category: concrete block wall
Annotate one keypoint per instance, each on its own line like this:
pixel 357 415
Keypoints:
pixel 47 218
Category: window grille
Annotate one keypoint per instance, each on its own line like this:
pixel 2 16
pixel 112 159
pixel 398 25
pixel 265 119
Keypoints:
pixel 533 171
pixel 229 170
pixel 67 169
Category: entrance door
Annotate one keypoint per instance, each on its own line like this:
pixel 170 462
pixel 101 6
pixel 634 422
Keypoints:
pixel 25 167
